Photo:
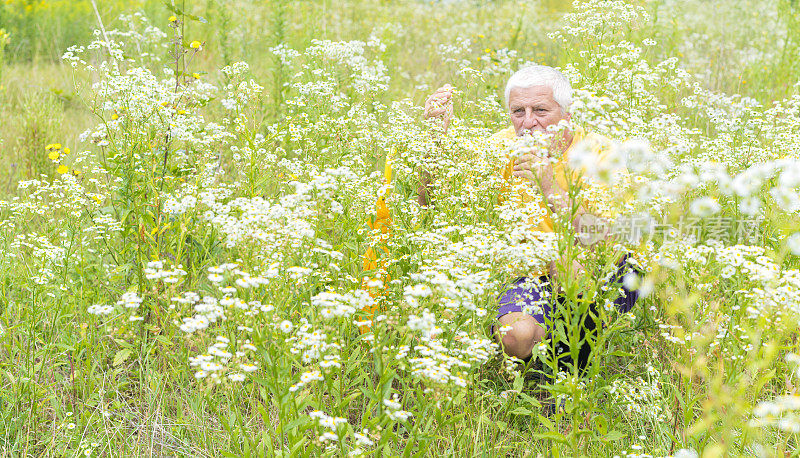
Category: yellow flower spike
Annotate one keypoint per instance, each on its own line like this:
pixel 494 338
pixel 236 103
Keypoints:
pixel 172 19
pixel 195 44
pixel 62 169
pixel 53 155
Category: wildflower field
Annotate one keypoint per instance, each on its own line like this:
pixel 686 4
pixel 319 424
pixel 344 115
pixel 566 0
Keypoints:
pixel 212 243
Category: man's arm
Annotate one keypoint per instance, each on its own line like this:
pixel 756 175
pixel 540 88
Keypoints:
pixel 541 173
pixel 437 105
pixel 423 198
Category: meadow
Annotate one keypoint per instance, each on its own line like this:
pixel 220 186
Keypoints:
pixel 195 258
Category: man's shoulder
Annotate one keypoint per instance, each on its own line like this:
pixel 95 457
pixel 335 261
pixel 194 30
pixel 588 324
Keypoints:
pixel 597 142
pixel 505 134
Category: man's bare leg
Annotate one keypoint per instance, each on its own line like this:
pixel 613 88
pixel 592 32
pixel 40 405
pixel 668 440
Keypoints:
pixel 524 334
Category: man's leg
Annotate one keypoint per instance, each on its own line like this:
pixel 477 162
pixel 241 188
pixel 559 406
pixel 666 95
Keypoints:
pixel 525 333
pixel 521 312
pixel 588 326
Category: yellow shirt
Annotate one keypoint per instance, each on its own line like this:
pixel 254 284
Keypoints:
pixel 597 199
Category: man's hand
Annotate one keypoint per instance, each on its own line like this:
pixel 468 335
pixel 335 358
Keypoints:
pixel 440 102
pixel 531 167
pixel 440 105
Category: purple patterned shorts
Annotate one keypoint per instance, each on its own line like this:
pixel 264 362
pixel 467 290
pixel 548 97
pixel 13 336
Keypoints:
pixel 534 296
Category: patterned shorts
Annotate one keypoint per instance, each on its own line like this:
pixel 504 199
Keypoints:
pixel 534 296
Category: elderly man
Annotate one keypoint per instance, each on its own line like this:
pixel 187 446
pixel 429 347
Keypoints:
pixel 538 98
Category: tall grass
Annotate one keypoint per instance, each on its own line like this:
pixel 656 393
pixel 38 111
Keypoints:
pixel 188 279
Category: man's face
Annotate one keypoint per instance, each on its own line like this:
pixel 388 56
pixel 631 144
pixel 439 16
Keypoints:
pixel 534 108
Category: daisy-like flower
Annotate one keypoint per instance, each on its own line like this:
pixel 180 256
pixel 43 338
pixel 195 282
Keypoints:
pixel 100 309
pixel 286 326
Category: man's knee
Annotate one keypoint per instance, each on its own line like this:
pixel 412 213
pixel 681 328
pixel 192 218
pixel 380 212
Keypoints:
pixel 519 334
pixel 517 340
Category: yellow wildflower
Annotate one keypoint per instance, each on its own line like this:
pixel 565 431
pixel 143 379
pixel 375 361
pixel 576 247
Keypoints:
pixel 62 169
pixel 114 117
pixel 67 150
pixel 172 19
pixel 195 44
pixel 76 172
pixel 53 155
pixel 196 75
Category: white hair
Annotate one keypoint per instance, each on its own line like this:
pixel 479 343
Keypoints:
pixel 542 75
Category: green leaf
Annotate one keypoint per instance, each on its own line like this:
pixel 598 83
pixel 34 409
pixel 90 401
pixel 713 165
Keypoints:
pixel 601 425
pixel 546 422
pixel 614 436
pixel 758 385
pixel 530 400
pixel 521 411
pixel 297 422
pixel 551 436
pixel 121 356
pixel 517 385
pixel 303 442
pixel 164 341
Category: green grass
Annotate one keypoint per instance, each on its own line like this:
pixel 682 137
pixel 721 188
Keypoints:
pixel 305 169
